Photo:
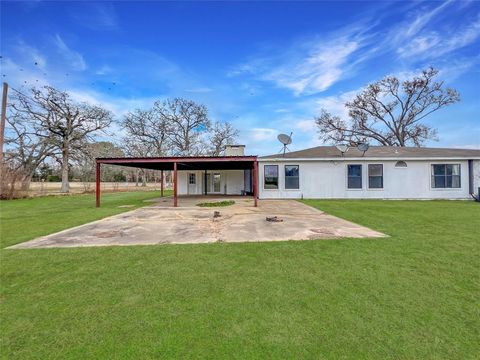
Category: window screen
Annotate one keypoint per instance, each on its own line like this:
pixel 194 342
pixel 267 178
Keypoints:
pixel 292 177
pixel 354 176
pixel 445 176
pixel 270 176
pixel 375 176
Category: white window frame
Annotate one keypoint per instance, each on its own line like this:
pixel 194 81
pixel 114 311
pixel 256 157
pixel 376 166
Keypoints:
pixel 368 177
pixel 285 177
pixel 190 179
pixel 445 188
pixel 361 177
pixel 278 177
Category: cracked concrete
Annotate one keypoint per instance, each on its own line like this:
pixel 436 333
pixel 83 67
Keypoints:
pixel 161 223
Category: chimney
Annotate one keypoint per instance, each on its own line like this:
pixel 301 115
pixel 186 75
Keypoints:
pixel 234 150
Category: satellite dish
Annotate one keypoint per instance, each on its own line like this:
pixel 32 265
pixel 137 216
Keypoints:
pixel 363 147
pixel 285 140
pixel 343 148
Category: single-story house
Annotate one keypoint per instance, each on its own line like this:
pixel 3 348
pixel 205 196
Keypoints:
pixel 323 172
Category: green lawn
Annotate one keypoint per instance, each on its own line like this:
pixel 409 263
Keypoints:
pixel 413 295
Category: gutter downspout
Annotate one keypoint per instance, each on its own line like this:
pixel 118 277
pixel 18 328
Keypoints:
pixel 471 191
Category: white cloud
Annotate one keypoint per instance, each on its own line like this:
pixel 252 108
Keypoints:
pixel 73 58
pixel 104 70
pixel 336 104
pixel 306 125
pixel 21 77
pixel 435 44
pixel 119 106
pixel 324 66
pixel 456 68
pixel 419 44
pixel 424 17
pixel 315 67
pixel 95 15
pixel 262 134
pixel 311 65
pixel 31 55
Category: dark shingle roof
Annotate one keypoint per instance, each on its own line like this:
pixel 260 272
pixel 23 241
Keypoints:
pixel 378 152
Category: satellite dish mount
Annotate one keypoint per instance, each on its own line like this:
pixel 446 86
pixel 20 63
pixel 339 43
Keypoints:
pixel 285 140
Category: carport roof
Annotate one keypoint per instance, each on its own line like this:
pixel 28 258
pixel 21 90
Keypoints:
pixel 184 162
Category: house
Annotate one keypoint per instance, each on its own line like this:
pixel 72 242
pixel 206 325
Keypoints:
pixel 323 172
pixel 382 172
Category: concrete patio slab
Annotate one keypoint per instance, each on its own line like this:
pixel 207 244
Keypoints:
pixel 161 223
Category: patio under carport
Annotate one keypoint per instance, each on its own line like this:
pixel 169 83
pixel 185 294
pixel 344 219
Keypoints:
pixel 176 164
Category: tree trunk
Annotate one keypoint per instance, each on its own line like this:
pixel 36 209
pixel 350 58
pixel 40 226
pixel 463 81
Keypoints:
pixel 65 184
pixel 25 182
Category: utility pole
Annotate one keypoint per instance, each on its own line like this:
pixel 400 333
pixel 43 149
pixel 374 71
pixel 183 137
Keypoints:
pixel 4 115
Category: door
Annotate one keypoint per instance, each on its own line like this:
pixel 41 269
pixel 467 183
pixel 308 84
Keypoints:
pixel 192 184
pixel 216 182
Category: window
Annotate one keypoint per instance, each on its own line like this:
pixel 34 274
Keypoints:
pixel 375 176
pixel 270 176
pixel 354 176
pixel 192 180
pixel 400 164
pixel 291 177
pixel 445 176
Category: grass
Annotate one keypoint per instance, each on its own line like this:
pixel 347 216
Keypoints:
pixel 411 295
pixel 217 203
pixel 26 219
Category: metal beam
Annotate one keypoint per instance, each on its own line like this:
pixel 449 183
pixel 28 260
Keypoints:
pixel 175 184
pixel 179 159
pixel 161 183
pixel 2 121
pixel 205 182
pixel 97 184
pixel 255 183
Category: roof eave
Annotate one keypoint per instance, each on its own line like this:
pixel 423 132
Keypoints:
pixel 376 158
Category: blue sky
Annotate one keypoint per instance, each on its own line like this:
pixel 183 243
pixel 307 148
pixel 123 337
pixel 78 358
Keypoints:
pixel 268 67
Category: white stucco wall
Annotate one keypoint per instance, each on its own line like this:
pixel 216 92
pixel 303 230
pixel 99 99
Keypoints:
pixel 328 179
pixel 231 182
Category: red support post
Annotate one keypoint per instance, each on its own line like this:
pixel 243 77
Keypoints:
pixel 161 183
pixel 97 185
pixel 255 183
pixel 175 184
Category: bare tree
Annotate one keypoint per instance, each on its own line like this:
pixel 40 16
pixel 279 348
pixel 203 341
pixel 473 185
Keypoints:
pixel 147 129
pixel 222 134
pixel 65 123
pixel 135 147
pixel 188 121
pixel 390 112
pixel 27 151
pixel 84 161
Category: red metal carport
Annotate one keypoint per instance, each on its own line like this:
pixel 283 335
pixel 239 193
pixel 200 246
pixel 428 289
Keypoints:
pixel 183 163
